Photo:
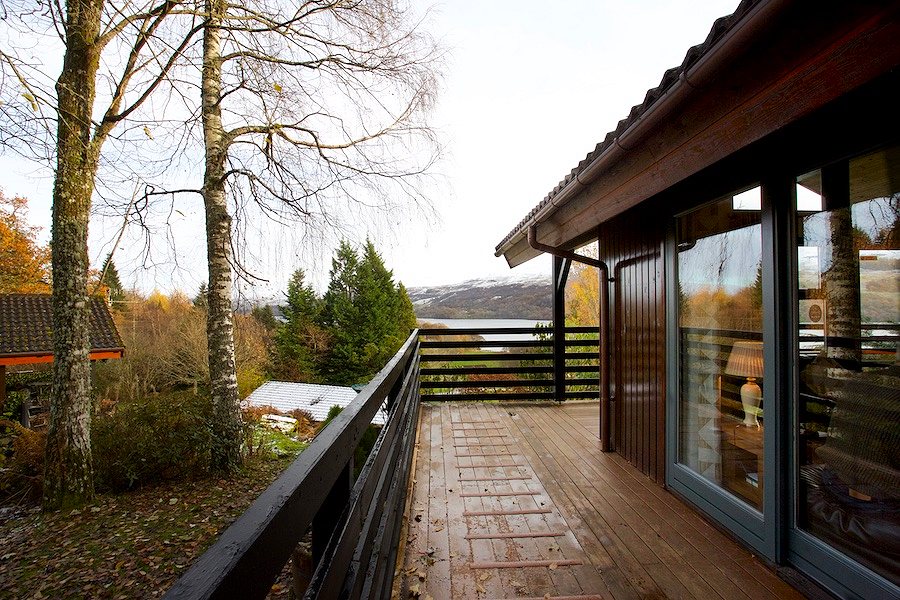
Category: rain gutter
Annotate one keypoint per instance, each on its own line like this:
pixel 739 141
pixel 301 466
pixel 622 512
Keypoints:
pixel 732 43
pixel 605 445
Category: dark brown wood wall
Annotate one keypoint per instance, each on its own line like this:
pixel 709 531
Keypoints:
pixel 632 247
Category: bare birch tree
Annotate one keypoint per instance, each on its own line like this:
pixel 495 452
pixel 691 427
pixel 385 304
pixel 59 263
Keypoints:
pixel 117 44
pixel 309 112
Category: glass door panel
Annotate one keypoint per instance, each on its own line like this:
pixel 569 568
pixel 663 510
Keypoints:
pixel 721 418
pixel 848 408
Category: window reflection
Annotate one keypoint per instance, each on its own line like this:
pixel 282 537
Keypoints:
pixel 720 323
pixel 848 260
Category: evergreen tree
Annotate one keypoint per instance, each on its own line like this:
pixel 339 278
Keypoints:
pixel 302 302
pixel 367 314
pixel 201 300
pixel 265 317
pixel 344 364
pixel 406 316
pixel 300 342
pixel 111 280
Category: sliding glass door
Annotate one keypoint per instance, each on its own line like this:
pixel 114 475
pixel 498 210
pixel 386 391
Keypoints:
pixel 720 412
pixel 847 416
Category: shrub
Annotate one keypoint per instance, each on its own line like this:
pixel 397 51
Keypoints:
pixel 251 418
pixel 165 340
pixel 305 429
pixel 248 379
pixel 264 442
pixel 22 475
pixel 161 437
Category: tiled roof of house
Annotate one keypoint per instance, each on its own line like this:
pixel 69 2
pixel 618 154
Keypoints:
pixel 670 77
pixel 26 325
pixel 311 397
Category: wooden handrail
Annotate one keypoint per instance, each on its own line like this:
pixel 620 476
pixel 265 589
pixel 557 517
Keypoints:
pixel 248 556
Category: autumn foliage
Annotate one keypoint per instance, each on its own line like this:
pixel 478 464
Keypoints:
pixel 24 264
pixel 165 337
pixel 583 296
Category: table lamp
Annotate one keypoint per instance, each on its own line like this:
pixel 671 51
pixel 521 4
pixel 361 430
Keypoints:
pixel 746 360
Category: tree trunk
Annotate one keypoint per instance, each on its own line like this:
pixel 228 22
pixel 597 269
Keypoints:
pixel 226 418
pixel 842 301
pixel 68 478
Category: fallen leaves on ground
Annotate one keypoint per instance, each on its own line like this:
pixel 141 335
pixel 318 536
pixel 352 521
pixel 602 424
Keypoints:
pixel 133 545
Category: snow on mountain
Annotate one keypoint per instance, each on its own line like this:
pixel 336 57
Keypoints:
pixel 510 297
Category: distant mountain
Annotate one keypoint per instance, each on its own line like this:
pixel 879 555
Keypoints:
pixel 495 298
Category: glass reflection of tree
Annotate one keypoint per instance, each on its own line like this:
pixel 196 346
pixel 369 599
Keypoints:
pixel 864 434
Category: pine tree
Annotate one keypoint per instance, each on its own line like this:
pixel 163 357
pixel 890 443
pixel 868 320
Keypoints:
pixel 302 303
pixel 367 314
pixel 265 316
pixel 344 364
pixel 300 342
pixel 111 280
pixel 201 300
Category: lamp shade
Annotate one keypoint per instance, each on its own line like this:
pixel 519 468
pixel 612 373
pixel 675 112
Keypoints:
pixel 746 359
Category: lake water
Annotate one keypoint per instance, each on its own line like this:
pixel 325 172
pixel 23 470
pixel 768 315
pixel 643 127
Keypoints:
pixel 487 324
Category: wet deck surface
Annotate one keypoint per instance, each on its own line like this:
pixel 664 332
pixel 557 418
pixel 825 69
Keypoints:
pixel 519 502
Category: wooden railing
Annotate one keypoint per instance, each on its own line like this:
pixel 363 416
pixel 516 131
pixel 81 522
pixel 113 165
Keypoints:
pixel 457 365
pixel 355 529
pixel 356 525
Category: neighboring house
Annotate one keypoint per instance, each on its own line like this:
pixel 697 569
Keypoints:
pixel 748 212
pixel 315 399
pixel 26 332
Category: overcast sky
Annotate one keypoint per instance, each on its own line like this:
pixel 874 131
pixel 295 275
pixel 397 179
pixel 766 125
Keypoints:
pixel 527 93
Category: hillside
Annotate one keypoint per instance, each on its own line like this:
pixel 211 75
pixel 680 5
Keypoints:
pixel 495 298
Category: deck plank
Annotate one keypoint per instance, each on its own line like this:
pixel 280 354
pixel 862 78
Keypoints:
pixel 627 549
pixel 700 577
pixel 633 538
pixel 673 517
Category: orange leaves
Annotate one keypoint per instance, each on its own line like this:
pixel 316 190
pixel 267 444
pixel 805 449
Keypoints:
pixel 24 264
pixel 583 296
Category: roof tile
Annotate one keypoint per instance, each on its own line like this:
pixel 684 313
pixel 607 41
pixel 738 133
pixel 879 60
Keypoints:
pixel 670 77
pixel 26 325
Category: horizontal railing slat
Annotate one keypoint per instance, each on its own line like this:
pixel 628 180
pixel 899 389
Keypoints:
pixel 488 396
pixel 486 356
pixel 431 385
pixel 487 370
pixel 428 358
pixel 443 332
pixel 486 344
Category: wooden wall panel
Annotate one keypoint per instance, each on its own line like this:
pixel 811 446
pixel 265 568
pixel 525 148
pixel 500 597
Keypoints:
pixel 632 246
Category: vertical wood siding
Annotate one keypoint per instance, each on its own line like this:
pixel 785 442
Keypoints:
pixel 632 246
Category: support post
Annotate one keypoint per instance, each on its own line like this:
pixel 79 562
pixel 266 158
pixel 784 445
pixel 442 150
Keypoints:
pixel 560 274
pixel 2 386
pixel 25 409
pixel 605 332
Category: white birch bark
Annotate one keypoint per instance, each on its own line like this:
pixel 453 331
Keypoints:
pixel 219 327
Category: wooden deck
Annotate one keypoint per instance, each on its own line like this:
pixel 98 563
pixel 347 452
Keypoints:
pixel 516 501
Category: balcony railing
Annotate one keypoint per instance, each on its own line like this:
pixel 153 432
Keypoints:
pixel 356 525
pixel 508 364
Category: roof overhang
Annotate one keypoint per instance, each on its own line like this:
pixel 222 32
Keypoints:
pixel 47 357
pixel 771 65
